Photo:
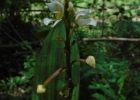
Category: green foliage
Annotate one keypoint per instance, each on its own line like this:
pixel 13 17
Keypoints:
pixel 99 96
pixel 117 62
pixel 112 76
pixel 23 80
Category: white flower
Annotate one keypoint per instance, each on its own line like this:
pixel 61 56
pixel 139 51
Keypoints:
pixel 40 89
pixel 57 8
pixel 80 18
pixel 90 61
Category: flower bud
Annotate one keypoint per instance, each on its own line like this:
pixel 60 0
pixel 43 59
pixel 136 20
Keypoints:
pixel 70 8
pixel 62 1
pixel 41 89
pixel 90 61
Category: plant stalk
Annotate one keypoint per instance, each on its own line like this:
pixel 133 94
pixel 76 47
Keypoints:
pixel 68 53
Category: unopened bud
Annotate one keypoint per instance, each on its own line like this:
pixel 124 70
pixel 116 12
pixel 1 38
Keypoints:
pixel 90 61
pixel 70 6
pixel 41 89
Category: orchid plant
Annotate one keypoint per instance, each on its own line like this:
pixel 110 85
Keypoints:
pixel 64 10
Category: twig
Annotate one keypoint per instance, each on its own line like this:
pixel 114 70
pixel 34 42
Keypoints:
pixel 14 29
pixel 10 36
pixel 18 45
pixel 112 39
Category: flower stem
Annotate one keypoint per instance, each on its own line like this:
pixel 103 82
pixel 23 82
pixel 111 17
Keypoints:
pixel 78 60
pixel 52 77
pixel 71 33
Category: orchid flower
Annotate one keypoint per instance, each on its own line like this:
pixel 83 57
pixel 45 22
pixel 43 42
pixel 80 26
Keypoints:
pixel 57 8
pixel 80 18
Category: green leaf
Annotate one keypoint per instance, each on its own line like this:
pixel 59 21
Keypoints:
pixel 101 69
pixel 51 58
pixel 17 79
pixel 99 96
pixel 105 88
pixel 120 83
